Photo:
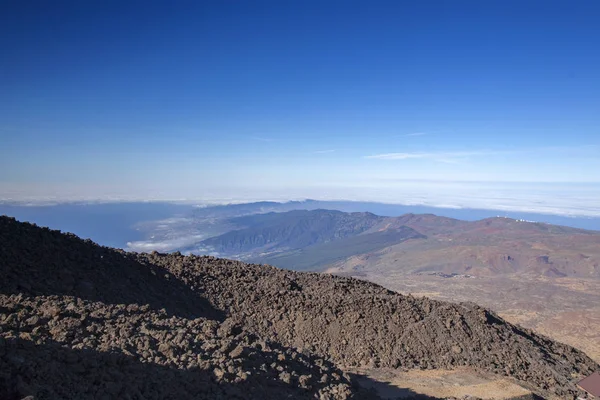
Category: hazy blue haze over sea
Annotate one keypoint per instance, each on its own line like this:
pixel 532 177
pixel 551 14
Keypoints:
pixel 107 224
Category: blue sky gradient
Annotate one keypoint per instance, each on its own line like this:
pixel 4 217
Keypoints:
pixel 227 99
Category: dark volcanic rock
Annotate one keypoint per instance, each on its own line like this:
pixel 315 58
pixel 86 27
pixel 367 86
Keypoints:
pixel 40 261
pixel 81 321
pixel 78 320
pixel 90 350
pixel 357 323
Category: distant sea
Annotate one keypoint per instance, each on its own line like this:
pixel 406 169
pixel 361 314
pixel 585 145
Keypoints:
pixel 110 224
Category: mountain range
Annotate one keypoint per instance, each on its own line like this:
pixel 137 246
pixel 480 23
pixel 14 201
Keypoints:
pixel 314 239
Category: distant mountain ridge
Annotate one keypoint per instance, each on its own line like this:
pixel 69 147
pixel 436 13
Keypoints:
pixel 316 239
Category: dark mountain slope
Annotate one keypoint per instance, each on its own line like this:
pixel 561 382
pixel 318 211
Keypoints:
pixel 313 257
pixel 290 230
pixel 347 321
pixel 39 261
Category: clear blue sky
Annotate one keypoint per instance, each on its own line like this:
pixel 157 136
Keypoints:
pixel 208 98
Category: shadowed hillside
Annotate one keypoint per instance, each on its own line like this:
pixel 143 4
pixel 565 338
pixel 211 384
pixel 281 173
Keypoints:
pixel 38 261
pixel 290 230
pixel 314 257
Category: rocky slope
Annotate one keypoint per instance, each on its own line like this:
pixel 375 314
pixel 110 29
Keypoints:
pixel 356 323
pixel 64 347
pixel 80 320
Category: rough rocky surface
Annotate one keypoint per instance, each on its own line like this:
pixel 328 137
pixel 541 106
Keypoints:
pixel 81 321
pixel 65 347
pixel 78 320
pixel 356 323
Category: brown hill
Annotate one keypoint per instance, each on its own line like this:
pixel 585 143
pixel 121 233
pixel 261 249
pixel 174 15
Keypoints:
pixel 114 324
pixel 488 247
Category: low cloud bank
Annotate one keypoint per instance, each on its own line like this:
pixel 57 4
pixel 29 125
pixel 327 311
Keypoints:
pixel 164 245
pixel 581 199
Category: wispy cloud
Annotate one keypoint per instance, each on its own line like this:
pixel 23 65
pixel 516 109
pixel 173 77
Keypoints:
pixel 440 156
pixel 415 134
pixel 261 139
pixel 323 151
pixel 454 156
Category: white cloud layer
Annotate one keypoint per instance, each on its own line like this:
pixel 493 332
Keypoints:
pixel 546 198
pixel 164 245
